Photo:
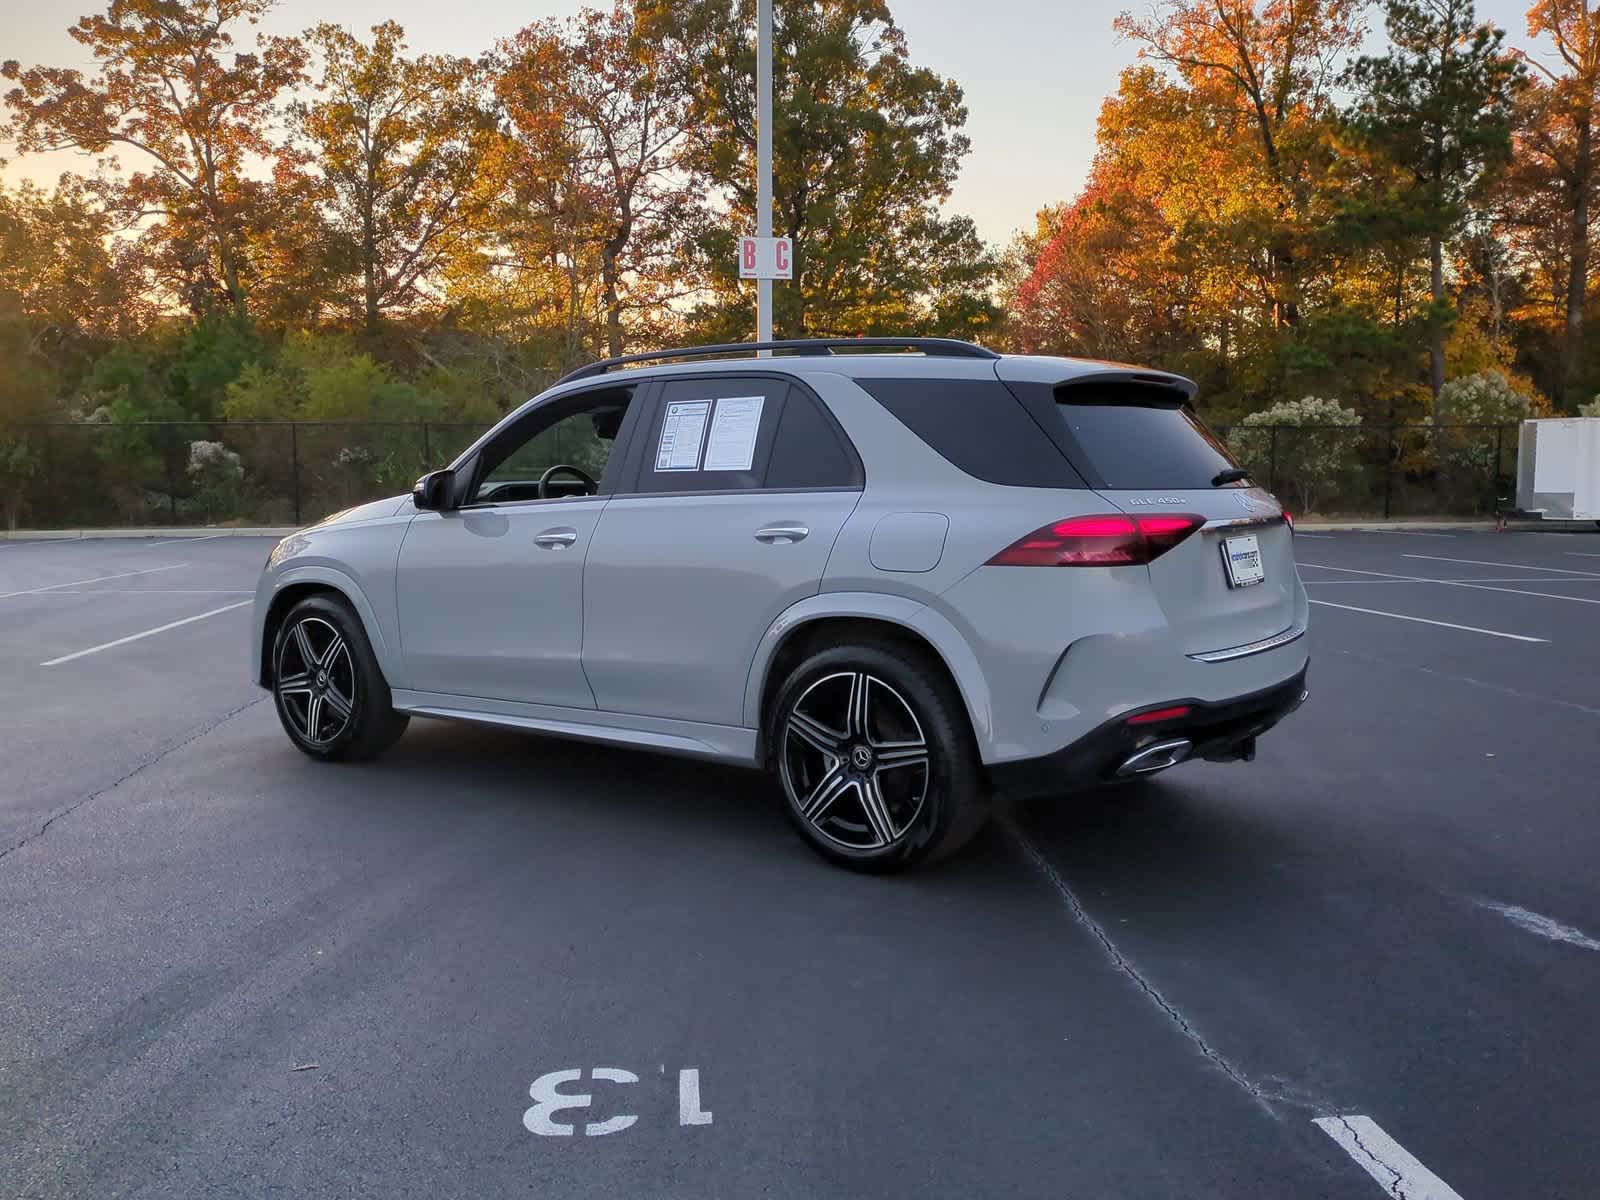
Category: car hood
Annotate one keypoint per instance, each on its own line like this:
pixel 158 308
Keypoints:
pixel 365 512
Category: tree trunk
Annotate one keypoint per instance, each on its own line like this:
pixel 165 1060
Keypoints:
pixel 225 255
pixel 230 273
pixel 613 303
pixel 790 318
pixel 369 271
pixel 1436 326
pixel 1577 264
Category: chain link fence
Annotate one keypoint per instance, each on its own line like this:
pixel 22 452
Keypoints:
pixel 1381 471
pixel 65 476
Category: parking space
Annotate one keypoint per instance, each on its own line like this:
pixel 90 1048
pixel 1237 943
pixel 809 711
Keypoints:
pixel 1364 964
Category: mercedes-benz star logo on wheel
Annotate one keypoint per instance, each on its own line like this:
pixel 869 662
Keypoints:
pixel 860 758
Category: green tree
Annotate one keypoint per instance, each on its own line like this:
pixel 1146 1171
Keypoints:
pixel 27 397
pixel 1439 106
pixel 866 145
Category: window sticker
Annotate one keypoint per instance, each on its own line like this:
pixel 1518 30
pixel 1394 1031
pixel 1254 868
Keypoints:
pixel 681 433
pixel 732 446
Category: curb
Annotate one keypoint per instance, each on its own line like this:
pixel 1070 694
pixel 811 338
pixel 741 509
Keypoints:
pixel 68 535
pixel 1396 526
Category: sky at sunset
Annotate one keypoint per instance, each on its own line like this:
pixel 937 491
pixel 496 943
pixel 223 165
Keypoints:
pixel 1034 74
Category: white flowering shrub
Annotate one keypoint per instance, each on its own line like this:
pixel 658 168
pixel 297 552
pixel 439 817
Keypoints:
pixel 1591 409
pixel 216 477
pixel 1487 401
pixel 1315 449
pixel 213 460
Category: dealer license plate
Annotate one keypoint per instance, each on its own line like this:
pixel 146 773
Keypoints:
pixel 1242 556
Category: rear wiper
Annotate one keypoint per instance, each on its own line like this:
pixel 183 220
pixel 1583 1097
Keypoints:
pixel 1231 475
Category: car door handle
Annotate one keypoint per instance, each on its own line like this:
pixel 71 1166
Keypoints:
pixel 781 535
pixel 556 539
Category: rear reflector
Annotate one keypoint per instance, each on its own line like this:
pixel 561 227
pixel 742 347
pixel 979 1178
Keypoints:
pixel 1112 540
pixel 1160 714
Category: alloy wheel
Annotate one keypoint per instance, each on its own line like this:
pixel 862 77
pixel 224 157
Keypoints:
pixel 316 680
pixel 855 761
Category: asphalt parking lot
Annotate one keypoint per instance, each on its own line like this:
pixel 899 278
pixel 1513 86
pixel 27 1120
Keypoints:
pixel 226 970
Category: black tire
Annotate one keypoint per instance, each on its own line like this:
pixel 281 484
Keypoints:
pixel 851 785
pixel 315 680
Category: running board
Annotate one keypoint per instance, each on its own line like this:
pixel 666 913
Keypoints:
pixel 725 743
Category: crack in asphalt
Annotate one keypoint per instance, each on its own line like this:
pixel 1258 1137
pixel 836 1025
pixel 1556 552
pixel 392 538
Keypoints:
pixel 1514 693
pixel 1121 962
pixel 1397 1188
pixel 118 782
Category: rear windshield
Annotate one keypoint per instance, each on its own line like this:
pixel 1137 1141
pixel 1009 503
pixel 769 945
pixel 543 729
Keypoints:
pixel 1136 441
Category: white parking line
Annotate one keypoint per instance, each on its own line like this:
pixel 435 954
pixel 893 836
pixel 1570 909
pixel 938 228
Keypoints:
pixel 1542 926
pixel 129 591
pixel 1406 579
pixel 1378 612
pixel 1580 554
pixel 134 637
pixel 10 544
pixel 1327 536
pixel 1478 562
pixel 1406 533
pixel 1388 577
pixel 1399 1173
pixel 72 583
pixel 199 537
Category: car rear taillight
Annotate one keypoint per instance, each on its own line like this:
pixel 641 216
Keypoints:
pixel 1288 519
pixel 1113 540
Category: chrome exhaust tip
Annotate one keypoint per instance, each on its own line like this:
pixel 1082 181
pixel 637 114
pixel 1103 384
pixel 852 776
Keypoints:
pixel 1155 758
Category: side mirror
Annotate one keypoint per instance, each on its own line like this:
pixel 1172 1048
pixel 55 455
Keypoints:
pixel 432 492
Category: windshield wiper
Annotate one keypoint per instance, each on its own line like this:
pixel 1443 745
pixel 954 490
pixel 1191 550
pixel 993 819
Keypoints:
pixel 1231 475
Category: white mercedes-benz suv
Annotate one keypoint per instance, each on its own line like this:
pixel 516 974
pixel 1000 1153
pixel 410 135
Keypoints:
pixel 900 574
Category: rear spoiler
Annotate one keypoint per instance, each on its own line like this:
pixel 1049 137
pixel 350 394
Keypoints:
pixel 1172 387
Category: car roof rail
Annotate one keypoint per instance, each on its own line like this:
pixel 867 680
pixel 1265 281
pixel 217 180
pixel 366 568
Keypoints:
pixel 935 347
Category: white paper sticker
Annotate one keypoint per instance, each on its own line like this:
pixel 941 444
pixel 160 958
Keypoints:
pixel 681 431
pixel 732 446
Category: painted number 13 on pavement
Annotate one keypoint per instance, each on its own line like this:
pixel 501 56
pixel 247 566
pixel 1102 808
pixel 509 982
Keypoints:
pixel 549 1101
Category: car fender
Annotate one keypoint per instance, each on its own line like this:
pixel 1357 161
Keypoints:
pixel 346 585
pixel 934 628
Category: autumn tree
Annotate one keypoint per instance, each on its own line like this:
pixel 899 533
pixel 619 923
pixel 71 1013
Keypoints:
pixel 610 105
pixel 866 145
pixel 1556 173
pixel 1437 106
pixel 171 87
pixel 1259 72
pixel 393 144
pixel 1094 288
pixel 62 269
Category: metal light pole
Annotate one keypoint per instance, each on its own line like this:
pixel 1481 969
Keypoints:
pixel 764 158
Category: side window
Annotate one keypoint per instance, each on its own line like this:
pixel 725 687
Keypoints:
pixel 809 451
pixel 578 432
pixel 711 435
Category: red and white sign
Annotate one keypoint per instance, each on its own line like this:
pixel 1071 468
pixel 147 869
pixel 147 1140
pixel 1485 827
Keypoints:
pixel 766 258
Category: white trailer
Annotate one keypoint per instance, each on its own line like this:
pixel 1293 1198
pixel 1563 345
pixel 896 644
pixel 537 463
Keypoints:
pixel 1558 470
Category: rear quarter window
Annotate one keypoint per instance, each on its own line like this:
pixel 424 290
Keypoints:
pixel 978 426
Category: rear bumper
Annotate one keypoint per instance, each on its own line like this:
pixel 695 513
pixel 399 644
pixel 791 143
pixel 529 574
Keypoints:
pixel 1216 729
